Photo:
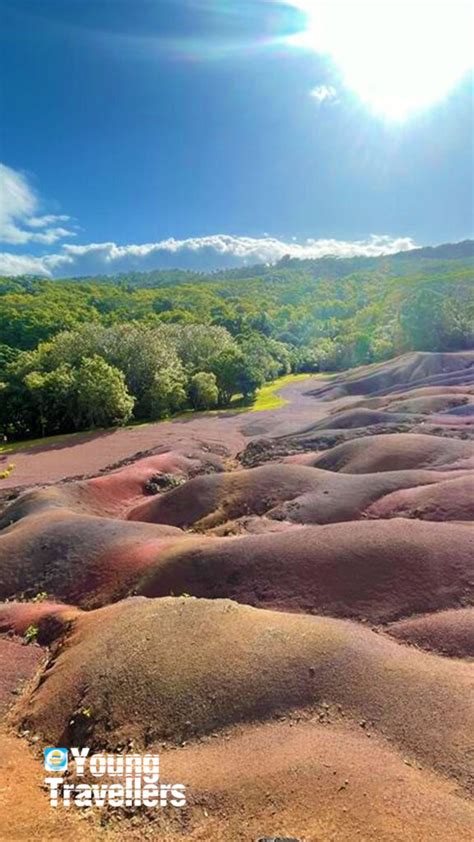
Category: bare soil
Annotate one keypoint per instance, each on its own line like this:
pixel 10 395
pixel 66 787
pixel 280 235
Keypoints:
pixel 280 603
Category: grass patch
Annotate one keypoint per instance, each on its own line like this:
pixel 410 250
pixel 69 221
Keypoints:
pixel 268 397
pixel 16 446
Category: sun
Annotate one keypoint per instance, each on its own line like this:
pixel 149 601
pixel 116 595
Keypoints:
pixel 397 57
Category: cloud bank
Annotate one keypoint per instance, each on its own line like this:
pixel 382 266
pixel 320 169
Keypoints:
pixel 22 225
pixel 205 254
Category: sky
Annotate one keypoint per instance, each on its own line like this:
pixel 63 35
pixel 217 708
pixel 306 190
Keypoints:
pixel 143 134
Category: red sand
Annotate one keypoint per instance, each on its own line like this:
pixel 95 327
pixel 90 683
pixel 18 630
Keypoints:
pixel 447 632
pixel 78 558
pixel 235 663
pixel 18 664
pixel 283 491
pixel 374 740
pixel 17 617
pixel 452 499
pixel 376 569
pixel 395 452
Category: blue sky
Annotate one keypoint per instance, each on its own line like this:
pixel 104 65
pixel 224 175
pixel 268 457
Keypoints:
pixel 145 133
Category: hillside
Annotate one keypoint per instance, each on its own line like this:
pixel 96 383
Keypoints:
pixel 166 341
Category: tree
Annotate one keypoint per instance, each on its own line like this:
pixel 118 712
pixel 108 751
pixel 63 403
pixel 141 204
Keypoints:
pixel 139 351
pixel 7 355
pixel 235 374
pixel 203 391
pixel 197 345
pixel 328 354
pixel 54 394
pixel 304 360
pixel 168 393
pixel 102 396
pixel 430 321
pixel 266 357
pixel 19 415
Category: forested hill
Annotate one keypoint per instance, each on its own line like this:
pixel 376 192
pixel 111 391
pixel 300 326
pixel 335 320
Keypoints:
pixel 91 351
pixel 401 263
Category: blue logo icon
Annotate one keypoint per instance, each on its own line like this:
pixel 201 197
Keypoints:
pixel 55 759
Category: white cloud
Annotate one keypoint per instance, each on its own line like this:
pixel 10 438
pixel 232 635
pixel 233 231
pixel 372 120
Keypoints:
pixel 18 208
pixel 23 264
pixel 323 93
pixel 218 251
pixel 48 219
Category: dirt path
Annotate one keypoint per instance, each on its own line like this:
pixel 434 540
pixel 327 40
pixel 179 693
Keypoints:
pixel 24 809
pixel 88 455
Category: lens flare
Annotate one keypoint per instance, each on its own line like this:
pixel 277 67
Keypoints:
pixel 398 57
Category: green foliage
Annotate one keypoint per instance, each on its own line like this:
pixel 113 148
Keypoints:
pixel 88 352
pixel 41 596
pixel 430 321
pixel 203 390
pixel 167 393
pixel 7 355
pixel 31 634
pixel 101 394
pixel 197 344
pixel 5 473
pixel 236 374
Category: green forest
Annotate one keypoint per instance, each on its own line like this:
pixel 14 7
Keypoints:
pixel 102 351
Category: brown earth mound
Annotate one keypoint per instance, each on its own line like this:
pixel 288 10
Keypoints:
pixel 415 369
pixel 315 496
pixel 78 558
pixel 49 618
pixel 377 570
pixel 316 781
pixel 18 664
pixel 169 669
pixel 466 411
pixel 447 426
pixel 394 452
pixel 347 498
pixel 295 778
pixel 182 669
pixel 449 500
pixel 447 632
pixel 215 499
pixel 360 417
pixel 111 495
pixel 427 404
pixel 408 401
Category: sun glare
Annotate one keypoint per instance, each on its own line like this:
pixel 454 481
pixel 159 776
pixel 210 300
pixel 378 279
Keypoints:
pixel 398 57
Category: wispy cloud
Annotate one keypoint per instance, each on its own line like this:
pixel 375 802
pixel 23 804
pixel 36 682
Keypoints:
pixel 48 219
pixel 19 220
pixel 323 93
pixel 198 253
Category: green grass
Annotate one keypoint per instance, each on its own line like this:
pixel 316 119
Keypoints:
pixel 16 446
pixel 268 397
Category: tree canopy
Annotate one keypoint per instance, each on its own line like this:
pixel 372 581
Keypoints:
pixel 99 351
